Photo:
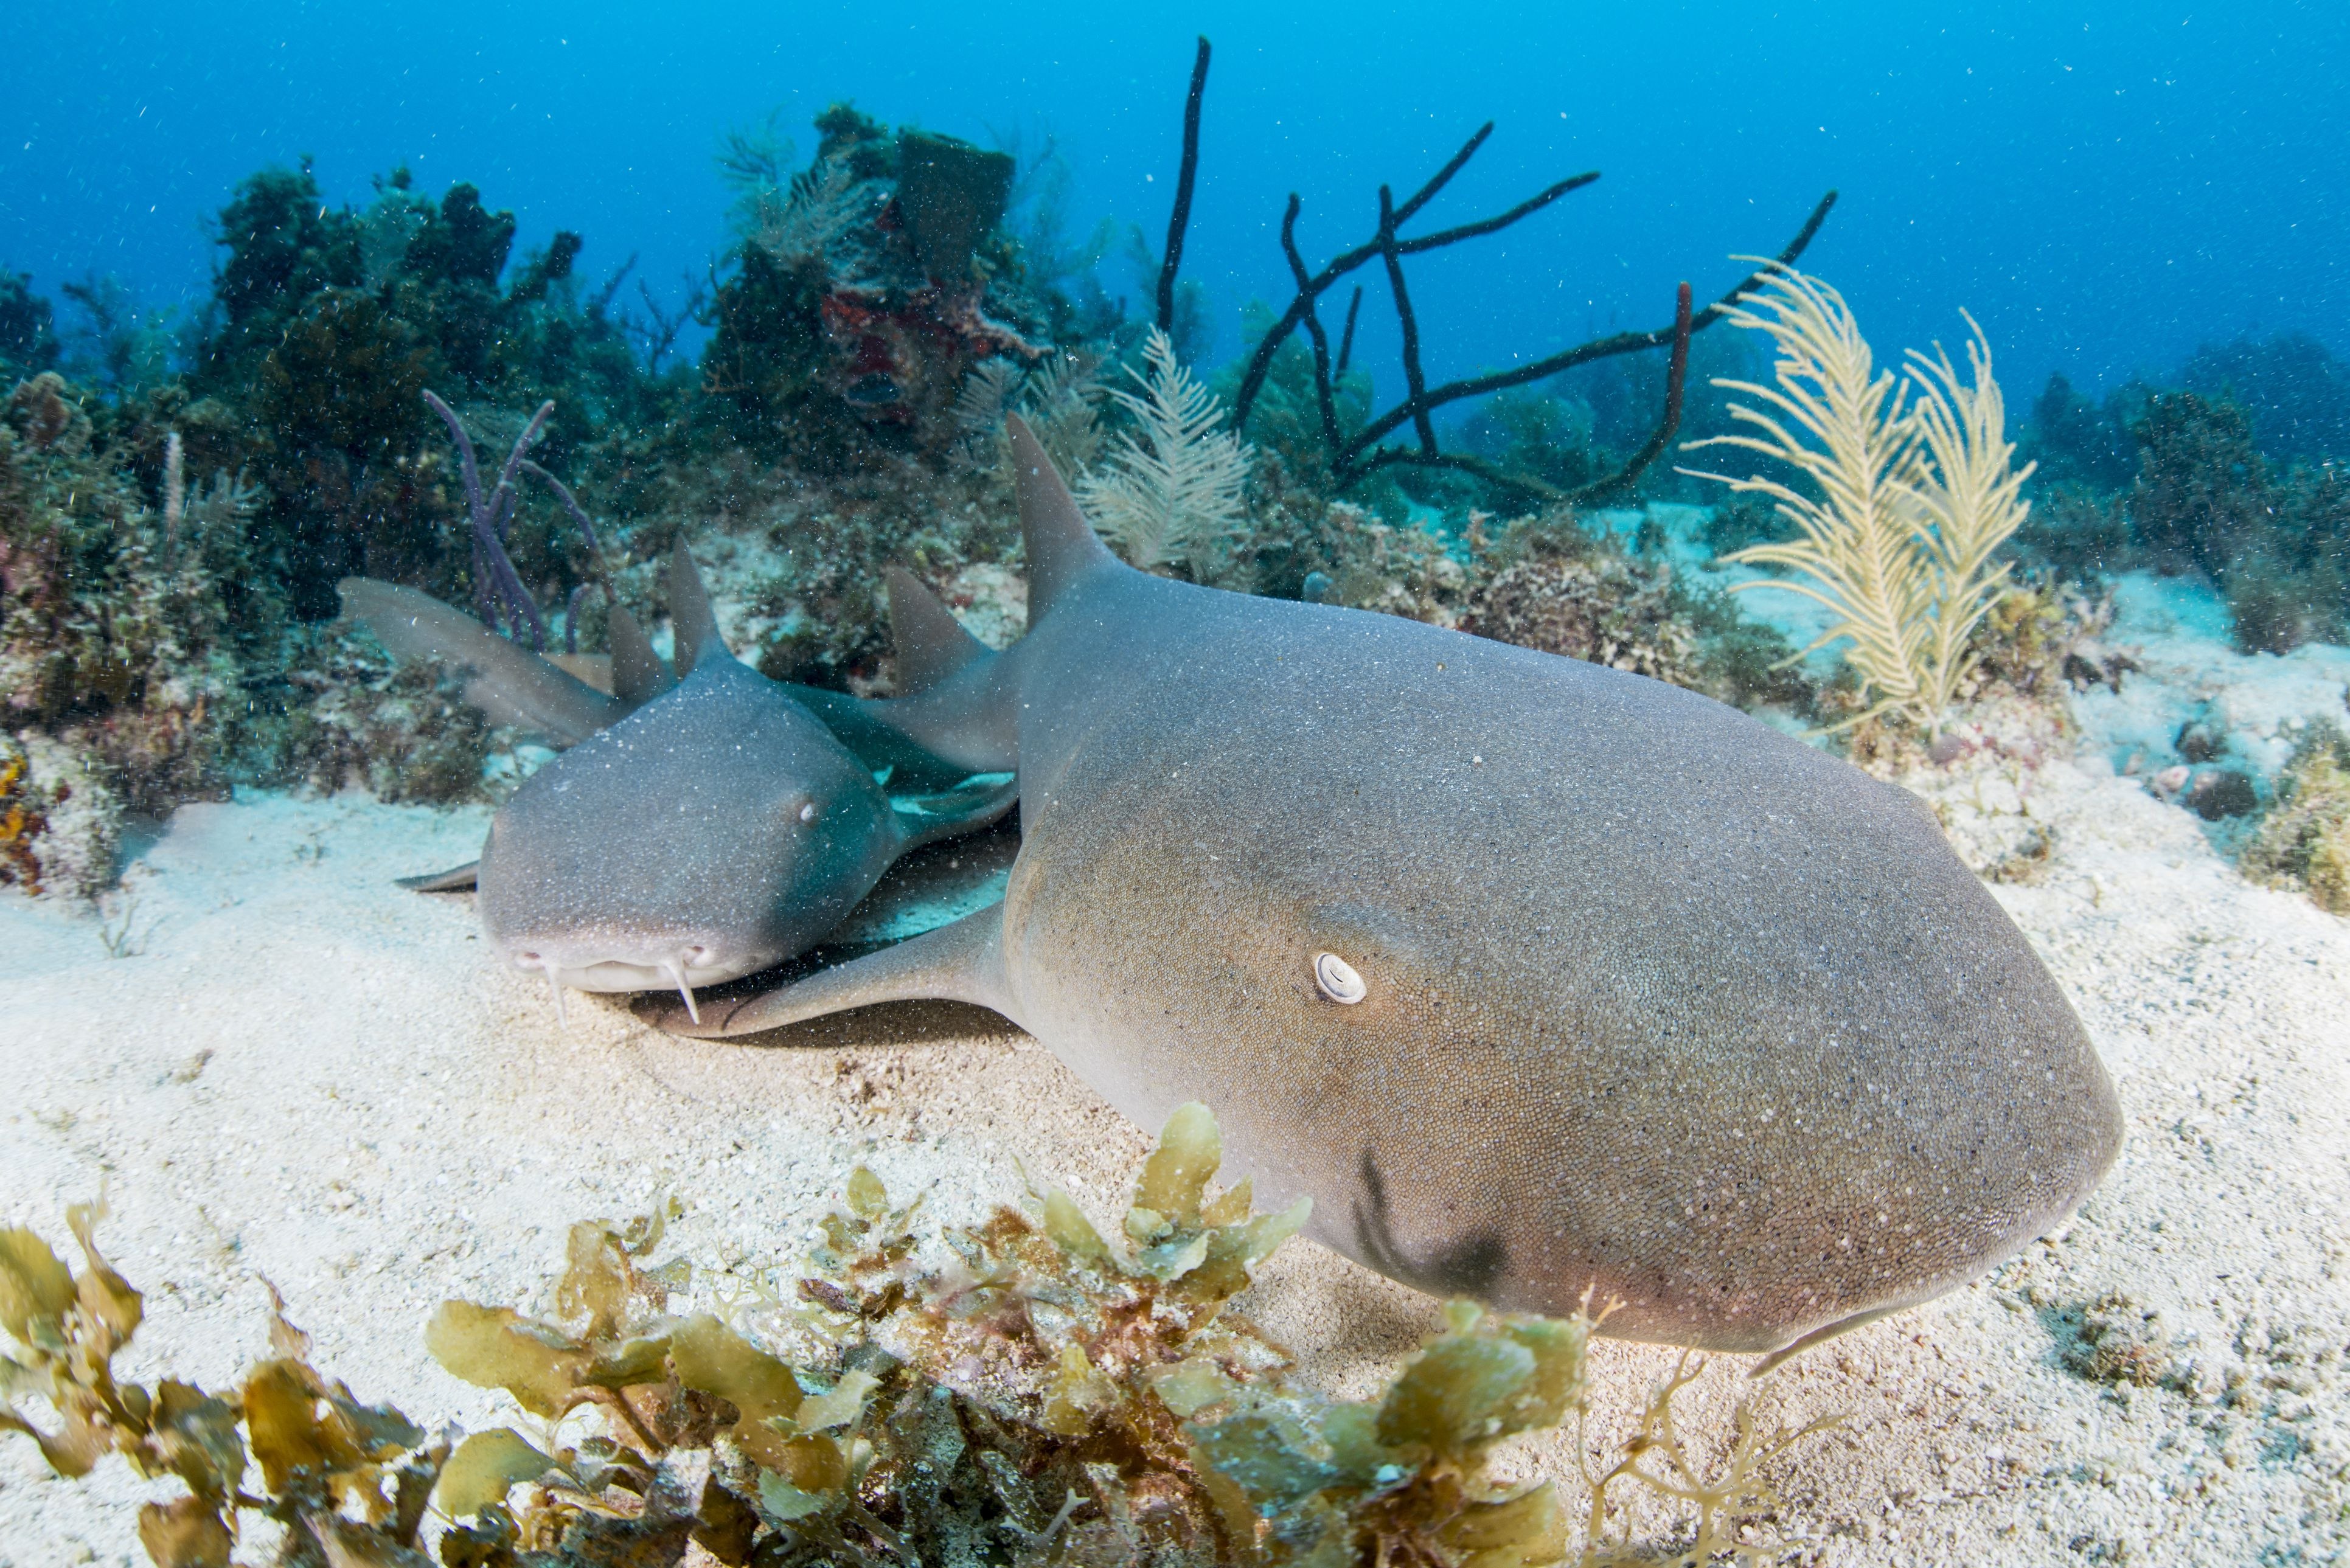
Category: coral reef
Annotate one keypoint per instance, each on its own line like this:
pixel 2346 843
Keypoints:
pixel 2072 441
pixel 1022 1391
pixel 1549 583
pixel 333 321
pixel 2204 500
pixel 354 717
pixel 115 630
pixel 2234 477
pixel 60 825
pixel 865 289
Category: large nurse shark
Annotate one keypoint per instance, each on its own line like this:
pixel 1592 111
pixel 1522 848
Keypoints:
pixel 1537 977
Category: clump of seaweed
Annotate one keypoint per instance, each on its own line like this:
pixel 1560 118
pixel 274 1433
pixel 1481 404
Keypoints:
pixel 1169 491
pixel 2304 840
pixel 348 1481
pixel 1024 1391
pixel 1915 490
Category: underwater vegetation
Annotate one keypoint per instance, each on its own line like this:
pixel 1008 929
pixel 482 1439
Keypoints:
pixel 1024 1390
pixel 331 324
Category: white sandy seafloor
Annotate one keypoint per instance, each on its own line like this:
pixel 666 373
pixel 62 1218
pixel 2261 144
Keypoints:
pixel 311 1077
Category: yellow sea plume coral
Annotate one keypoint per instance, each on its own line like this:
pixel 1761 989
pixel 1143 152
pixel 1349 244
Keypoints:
pixel 1917 486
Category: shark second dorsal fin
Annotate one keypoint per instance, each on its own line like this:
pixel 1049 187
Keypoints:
pixel 638 673
pixel 960 962
pixel 693 623
pixel 508 682
pixel 930 644
pixel 1062 545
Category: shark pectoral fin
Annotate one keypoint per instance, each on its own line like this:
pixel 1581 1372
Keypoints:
pixel 507 683
pixel 693 624
pixel 961 962
pixel 930 643
pixel 971 804
pixel 456 880
pixel 638 673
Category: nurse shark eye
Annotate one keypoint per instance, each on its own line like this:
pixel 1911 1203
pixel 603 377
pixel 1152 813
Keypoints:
pixel 1336 979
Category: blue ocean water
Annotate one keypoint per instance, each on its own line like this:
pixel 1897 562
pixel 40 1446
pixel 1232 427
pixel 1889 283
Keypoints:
pixel 2105 185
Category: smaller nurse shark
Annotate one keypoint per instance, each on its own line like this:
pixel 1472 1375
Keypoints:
pixel 703 823
pixel 1545 982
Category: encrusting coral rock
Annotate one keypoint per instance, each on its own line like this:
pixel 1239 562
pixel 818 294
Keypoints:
pixel 2305 840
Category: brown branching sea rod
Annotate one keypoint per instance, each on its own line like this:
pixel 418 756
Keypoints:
pixel 1537 977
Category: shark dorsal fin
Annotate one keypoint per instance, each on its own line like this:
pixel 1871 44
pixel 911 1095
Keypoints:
pixel 693 624
pixel 1062 545
pixel 930 643
pixel 638 673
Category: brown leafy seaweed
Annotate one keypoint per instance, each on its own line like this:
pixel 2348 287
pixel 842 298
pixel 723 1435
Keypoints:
pixel 1024 1391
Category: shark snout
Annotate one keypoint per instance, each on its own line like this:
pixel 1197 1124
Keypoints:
pixel 648 961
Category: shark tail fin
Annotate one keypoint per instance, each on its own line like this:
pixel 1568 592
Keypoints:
pixel 693 623
pixel 958 962
pixel 638 673
pixel 507 683
pixel 1062 545
pixel 930 643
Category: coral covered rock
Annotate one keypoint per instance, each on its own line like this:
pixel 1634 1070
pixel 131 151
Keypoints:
pixel 2305 841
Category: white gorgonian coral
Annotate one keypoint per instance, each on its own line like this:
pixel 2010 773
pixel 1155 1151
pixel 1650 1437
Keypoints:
pixel 1170 490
